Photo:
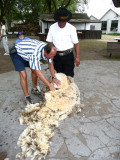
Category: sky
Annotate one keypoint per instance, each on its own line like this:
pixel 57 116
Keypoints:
pixel 98 8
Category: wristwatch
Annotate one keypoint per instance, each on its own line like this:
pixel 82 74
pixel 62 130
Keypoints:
pixel 54 77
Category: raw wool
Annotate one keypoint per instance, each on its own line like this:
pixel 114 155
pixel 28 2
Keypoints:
pixel 63 79
pixel 42 119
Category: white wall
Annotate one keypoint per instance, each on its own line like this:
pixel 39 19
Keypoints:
pixel 119 26
pixel 79 26
pixel 97 25
pixel 45 26
pixel 83 26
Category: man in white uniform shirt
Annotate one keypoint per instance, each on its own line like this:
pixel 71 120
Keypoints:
pixel 3 36
pixel 64 36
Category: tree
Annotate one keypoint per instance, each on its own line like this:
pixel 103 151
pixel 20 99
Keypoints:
pixel 28 10
pixel 73 5
pixel 6 7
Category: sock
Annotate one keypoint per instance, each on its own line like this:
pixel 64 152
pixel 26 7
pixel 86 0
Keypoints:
pixel 27 96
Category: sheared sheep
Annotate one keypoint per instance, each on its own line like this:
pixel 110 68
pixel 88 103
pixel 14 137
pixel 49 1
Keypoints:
pixel 42 119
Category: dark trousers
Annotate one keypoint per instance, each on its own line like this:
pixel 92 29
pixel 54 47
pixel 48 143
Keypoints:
pixel 64 64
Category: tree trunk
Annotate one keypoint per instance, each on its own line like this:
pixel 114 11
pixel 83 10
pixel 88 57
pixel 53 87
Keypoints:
pixel 54 3
pixel 49 5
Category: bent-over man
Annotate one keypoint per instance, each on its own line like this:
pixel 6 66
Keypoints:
pixel 29 53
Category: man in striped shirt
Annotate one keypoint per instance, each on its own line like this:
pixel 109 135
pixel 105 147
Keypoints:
pixel 30 52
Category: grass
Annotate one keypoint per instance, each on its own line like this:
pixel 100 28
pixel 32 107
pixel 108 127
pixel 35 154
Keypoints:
pixel 113 57
pixel 109 37
pixel 97 49
pixel 89 45
pixel 114 34
pixel 116 57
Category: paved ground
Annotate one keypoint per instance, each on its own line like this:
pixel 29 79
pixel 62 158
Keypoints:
pixel 93 134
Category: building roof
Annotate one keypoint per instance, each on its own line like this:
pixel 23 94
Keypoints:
pixel 109 11
pixel 76 18
pixel 93 17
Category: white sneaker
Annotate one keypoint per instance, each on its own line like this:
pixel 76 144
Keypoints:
pixel 6 54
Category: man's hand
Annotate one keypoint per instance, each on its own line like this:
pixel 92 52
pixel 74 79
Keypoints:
pixel 52 88
pixel 77 61
pixel 56 81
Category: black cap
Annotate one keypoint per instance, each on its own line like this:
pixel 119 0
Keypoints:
pixel 62 15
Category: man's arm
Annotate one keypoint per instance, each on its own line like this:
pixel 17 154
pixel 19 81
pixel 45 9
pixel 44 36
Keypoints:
pixel 52 71
pixel 51 67
pixel 77 58
pixel 44 80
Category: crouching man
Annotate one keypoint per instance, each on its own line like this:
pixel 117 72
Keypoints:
pixel 29 53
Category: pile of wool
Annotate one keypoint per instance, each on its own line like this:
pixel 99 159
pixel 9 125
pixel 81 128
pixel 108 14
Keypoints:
pixel 43 118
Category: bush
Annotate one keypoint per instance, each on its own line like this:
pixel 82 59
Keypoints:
pixel 112 34
pixel 28 29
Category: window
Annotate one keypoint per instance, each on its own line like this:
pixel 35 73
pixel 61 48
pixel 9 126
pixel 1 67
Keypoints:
pixel 104 25
pixel 92 27
pixel 114 25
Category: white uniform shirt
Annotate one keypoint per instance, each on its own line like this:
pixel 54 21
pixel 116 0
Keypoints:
pixel 62 38
pixel 3 27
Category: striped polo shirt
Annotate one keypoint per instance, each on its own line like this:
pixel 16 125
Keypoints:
pixel 32 51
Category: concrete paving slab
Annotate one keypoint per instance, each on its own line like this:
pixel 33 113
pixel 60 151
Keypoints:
pixel 93 134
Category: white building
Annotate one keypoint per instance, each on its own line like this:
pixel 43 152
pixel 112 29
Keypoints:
pixel 84 26
pixel 95 25
pixel 80 20
pixel 110 22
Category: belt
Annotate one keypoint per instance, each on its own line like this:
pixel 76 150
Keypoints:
pixel 4 35
pixel 63 53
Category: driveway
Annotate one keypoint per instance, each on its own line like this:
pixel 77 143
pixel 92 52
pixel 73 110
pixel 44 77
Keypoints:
pixel 93 134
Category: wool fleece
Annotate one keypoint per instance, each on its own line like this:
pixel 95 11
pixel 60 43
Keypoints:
pixel 43 118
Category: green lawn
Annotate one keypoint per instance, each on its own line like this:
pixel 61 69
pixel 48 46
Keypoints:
pixel 97 48
pixel 92 45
